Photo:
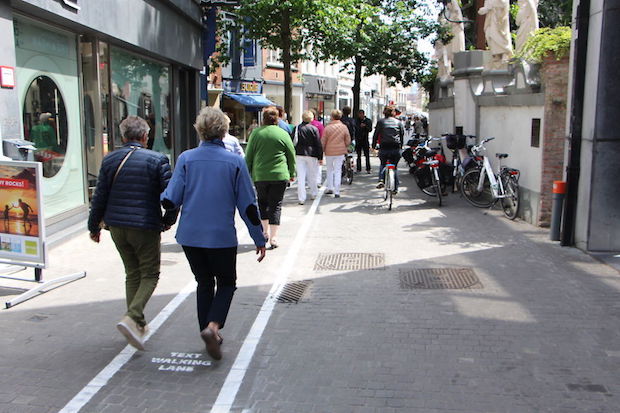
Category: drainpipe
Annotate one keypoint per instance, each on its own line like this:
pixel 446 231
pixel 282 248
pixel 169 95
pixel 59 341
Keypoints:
pixel 576 124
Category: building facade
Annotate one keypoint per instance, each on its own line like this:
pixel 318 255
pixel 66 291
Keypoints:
pixel 80 68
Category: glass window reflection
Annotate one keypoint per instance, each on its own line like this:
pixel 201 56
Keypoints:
pixel 45 124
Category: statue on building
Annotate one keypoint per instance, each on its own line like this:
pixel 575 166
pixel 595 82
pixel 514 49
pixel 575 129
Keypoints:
pixel 443 55
pixel 527 20
pixel 497 31
pixel 457 44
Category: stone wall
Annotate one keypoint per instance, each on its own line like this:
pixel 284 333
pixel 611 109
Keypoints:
pixel 555 82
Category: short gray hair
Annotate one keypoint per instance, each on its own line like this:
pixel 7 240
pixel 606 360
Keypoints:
pixel 336 114
pixel 133 128
pixel 211 123
pixel 307 116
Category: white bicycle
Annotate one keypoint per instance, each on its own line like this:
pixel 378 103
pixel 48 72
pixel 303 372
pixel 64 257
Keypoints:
pixel 482 187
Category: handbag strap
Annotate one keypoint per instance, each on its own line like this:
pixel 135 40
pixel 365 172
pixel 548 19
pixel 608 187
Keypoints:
pixel 120 166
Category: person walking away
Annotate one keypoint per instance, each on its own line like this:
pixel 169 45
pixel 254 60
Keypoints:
pixel 231 143
pixel 270 157
pixel 282 123
pixel 364 126
pixel 309 153
pixel 349 121
pixel 209 183
pixel 319 125
pixel 126 197
pixel 418 127
pixel 388 138
pixel 335 141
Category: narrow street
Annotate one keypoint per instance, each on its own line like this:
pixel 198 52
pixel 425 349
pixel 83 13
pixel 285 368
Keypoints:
pixel 536 328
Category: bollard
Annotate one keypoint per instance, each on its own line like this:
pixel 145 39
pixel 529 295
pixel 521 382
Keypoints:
pixel 559 193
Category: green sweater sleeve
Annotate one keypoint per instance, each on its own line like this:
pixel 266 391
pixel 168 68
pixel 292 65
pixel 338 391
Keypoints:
pixel 289 152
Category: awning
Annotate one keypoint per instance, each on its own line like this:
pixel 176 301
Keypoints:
pixel 250 101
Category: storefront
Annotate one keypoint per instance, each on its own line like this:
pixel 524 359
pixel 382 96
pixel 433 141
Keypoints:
pixel 74 84
pixel 242 102
pixel 320 95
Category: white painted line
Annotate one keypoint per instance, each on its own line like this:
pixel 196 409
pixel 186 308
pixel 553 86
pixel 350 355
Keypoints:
pixel 101 379
pixel 230 388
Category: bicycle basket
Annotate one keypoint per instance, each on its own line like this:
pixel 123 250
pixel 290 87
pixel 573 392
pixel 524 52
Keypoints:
pixel 455 141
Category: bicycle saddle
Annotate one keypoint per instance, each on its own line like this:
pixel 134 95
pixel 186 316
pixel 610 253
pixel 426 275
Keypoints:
pixel 501 155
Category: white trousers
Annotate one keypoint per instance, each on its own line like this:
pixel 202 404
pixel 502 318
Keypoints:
pixel 306 172
pixel 334 172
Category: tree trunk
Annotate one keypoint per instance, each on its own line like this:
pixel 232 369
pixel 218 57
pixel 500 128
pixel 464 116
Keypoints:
pixel 357 83
pixel 481 41
pixel 286 61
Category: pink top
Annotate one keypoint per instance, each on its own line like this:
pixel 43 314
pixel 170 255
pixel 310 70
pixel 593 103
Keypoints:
pixel 319 126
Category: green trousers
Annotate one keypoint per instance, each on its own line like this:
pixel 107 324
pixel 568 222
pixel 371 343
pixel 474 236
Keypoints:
pixel 140 251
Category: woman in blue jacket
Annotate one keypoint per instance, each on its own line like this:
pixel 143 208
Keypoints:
pixel 210 183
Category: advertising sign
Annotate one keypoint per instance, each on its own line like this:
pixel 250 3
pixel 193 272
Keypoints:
pixel 22 231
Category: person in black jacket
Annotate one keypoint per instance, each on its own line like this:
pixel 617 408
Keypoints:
pixel 388 138
pixel 363 128
pixel 349 121
pixel 126 198
pixel 309 154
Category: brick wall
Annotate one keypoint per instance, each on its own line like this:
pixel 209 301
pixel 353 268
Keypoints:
pixel 555 82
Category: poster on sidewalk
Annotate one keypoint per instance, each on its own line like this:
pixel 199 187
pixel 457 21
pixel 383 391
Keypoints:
pixel 22 232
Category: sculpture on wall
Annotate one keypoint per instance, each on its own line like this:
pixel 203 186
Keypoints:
pixel 457 44
pixel 443 55
pixel 527 20
pixel 497 31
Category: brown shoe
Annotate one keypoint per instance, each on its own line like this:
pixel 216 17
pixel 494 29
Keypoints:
pixel 213 343
pixel 132 332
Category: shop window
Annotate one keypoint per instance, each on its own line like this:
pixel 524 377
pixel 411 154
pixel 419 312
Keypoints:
pixel 141 87
pixel 45 124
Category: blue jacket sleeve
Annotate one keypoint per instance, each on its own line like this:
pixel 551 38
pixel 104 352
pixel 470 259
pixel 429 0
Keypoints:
pixel 99 202
pixel 247 205
pixel 175 191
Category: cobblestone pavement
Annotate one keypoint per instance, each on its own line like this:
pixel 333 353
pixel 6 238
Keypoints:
pixel 538 332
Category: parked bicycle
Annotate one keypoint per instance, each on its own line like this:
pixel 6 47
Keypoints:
pixel 428 167
pixel 462 158
pixel 482 187
pixel 348 166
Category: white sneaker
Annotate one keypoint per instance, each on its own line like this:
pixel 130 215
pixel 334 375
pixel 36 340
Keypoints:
pixel 132 332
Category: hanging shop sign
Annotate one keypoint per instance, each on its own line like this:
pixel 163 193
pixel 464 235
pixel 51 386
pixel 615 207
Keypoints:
pixel 22 230
pixel 319 85
pixel 239 86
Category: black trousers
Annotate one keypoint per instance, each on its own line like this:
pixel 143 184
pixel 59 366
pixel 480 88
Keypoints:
pixel 270 195
pixel 211 267
pixel 361 144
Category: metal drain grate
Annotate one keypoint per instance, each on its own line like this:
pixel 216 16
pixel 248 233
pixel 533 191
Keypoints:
pixel 293 292
pixel 349 261
pixel 439 278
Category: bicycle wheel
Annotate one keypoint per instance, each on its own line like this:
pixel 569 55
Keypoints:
pixel 349 177
pixel 469 189
pixel 437 185
pixel 390 185
pixel 510 204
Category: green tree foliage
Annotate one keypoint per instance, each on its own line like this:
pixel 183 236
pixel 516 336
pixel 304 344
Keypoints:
pixel 377 37
pixel 547 41
pixel 288 25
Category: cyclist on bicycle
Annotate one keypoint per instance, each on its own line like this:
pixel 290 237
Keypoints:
pixel 388 138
